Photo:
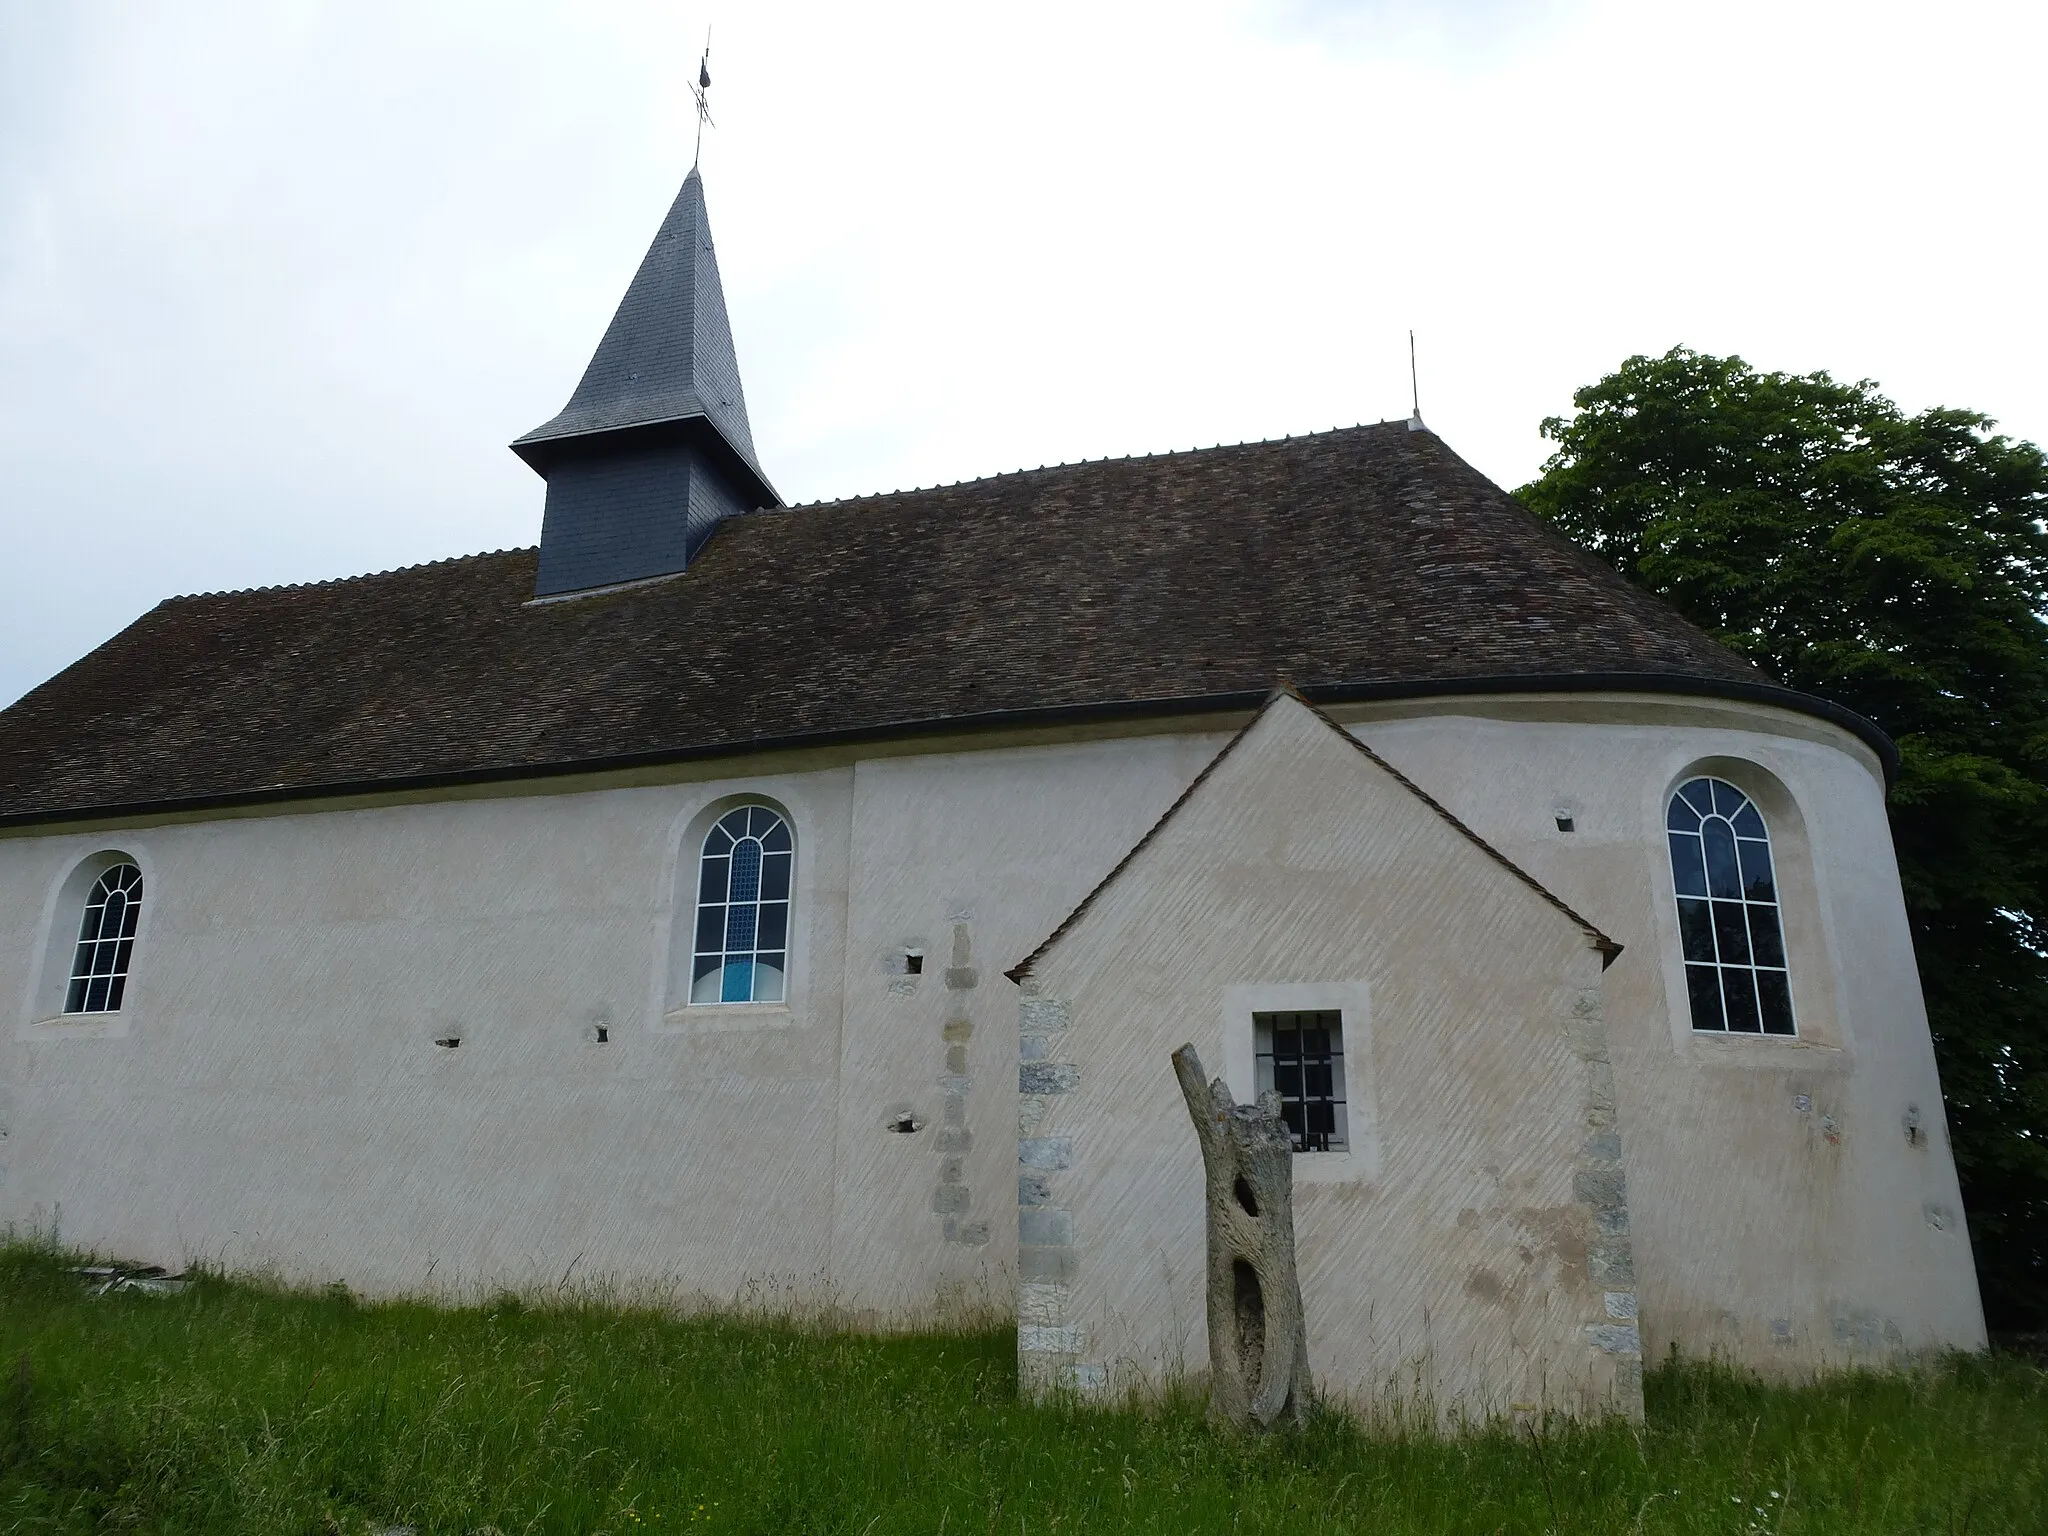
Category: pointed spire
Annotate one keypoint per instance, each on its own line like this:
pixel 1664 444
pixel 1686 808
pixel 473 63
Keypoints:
pixel 661 399
pixel 668 354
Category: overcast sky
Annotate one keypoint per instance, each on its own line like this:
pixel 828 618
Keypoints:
pixel 279 281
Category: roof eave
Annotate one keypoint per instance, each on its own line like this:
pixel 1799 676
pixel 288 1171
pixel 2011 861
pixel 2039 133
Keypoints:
pixel 1326 694
pixel 542 450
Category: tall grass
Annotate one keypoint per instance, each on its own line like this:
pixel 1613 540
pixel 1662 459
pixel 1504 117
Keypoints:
pixel 239 1407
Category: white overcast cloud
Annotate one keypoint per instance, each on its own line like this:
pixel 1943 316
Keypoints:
pixel 278 281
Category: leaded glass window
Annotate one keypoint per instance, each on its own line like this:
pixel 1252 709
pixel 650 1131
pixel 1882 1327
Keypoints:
pixel 106 938
pixel 742 949
pixel 1735 976
pixel 1300 1056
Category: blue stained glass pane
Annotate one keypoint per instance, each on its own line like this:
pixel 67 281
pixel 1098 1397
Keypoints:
pixel 711 879
pixel 1683 818
pixel 777 838
pixel 739 982
pixel 1700 794
pixel 1727 798
pixel 774 925
pixel 739 928
pixel 114 915
pixel 1688 865
pixel 133 911
pixel 1722 879
pixel 1748 823
pixel 1756 870
pixel 746 870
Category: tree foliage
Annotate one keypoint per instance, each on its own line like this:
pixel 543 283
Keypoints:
pixel 1898 565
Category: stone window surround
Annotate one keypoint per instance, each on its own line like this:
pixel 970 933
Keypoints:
pixel 1802 915
pixel 674 1012
pixel 43 1017
pixel 1352 999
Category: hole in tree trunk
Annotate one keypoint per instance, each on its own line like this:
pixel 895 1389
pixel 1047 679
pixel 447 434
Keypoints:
pixel 1245 1197
pixel 1251 1326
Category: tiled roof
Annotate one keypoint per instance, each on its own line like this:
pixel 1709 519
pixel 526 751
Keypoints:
pixel 1367 561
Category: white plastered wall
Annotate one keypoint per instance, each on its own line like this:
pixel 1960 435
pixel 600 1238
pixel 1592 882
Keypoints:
pixel 270 1092
pixel 1470 1252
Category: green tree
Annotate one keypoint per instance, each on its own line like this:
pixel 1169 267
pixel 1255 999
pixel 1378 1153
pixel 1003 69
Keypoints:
pixel 1897 565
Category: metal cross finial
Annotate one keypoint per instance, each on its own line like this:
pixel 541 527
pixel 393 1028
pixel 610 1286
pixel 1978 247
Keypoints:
pixel 697 90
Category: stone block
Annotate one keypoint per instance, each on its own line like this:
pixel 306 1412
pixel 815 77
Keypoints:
pixel 1052 1152
pixel 1047 1076
pixel 1615 1338
pixel 1602 1149
pixel 953 1139
pixel 1043 1015
pixel 1050 1264
pixel 1052 1341
pixel 1041 1304
pixel 1045 1225
pixel 1034 1188
pixel 1600 1189
pixel 949 1198
pixel 1611 1265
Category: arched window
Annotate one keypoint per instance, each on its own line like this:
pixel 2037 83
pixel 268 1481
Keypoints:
pixel 1728 911
pixel 742 950
pixel 106 937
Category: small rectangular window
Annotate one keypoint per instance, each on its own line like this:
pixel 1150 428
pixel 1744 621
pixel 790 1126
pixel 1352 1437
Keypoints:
pixel 1300 1056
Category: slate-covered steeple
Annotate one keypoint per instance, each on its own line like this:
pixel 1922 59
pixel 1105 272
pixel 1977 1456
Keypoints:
pixel 653 449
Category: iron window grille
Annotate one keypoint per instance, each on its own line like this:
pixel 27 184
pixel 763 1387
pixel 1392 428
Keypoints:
pixel 1300 1056
pixel 1736 979
pixel 106 939
pixel 743 874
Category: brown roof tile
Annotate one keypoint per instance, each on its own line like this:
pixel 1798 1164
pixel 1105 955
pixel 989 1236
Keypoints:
pixel 1366 560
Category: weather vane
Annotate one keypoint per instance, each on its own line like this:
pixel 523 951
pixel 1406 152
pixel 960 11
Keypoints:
pixel 703 84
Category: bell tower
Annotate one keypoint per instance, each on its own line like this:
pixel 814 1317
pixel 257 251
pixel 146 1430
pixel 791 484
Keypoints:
pixel 653 448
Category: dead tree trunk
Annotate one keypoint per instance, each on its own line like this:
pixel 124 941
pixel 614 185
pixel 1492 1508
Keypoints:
pixel 1258 1339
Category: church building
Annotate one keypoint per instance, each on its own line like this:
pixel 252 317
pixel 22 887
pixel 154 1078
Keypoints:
pixel 748 904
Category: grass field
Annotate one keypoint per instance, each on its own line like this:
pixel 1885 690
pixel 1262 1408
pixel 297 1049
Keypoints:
pixel 235 1407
